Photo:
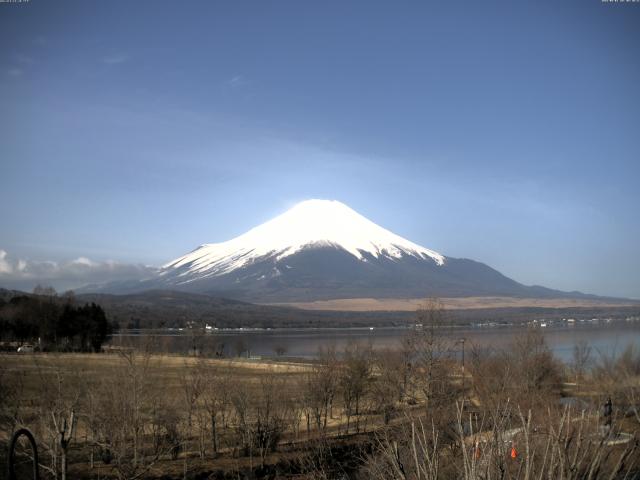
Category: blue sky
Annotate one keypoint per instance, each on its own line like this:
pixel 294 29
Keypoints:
pixel 506 132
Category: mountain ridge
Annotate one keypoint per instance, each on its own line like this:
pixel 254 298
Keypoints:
pixel 324 250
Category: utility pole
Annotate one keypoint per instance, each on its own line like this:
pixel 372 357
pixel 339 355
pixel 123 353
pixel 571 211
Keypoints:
pixel 462 340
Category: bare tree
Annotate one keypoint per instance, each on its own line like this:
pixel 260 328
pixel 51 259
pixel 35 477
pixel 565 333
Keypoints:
pixel 412 452
pixel 505 444
pixel 240 399
pixel 354 379
pixel 535 372
pixel 192 383
pixel 618 377
pixel 240 346
pixel 320 386
pixel 263 415
pixel 128 404
pixel 581 359
pixel 44 291
pixel 280 350
pixel 431 352
pixel 59 394
pixel 273 413
pixel 390 380
pixel 12 408
pixel 216 396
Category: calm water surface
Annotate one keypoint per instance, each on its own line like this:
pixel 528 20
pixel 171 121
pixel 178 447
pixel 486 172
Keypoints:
pixel 604 339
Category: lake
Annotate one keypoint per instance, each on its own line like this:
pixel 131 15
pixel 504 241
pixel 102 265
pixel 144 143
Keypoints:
pixel 604 339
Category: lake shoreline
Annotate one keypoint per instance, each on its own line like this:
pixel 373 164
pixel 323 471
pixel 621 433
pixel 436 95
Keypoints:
pixel 606 338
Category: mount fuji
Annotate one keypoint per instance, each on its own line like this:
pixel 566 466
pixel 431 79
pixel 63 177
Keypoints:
pixel 322 250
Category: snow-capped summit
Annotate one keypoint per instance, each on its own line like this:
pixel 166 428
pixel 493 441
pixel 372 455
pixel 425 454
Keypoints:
pixel 309 224
pixel 321 250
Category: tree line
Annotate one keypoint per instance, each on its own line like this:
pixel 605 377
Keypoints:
pixel 54 323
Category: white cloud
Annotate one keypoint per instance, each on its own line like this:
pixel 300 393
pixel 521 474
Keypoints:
pixel 84 261
pixel 14 71
pixel 22 274
pixel 237 81
pixel 5 267
pixel 115 59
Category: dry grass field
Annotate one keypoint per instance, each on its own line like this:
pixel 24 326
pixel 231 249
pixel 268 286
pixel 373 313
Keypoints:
pixel 137 414
pixel 166 370
pixel 174 397
pixel 462 303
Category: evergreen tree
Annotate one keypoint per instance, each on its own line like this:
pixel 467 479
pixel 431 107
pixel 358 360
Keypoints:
pixel 56 322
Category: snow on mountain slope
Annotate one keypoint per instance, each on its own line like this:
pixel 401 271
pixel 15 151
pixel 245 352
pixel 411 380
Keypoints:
pixel 312 223
pixel 323 250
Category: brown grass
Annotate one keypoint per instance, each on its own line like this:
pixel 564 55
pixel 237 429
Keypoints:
pixel 463 303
